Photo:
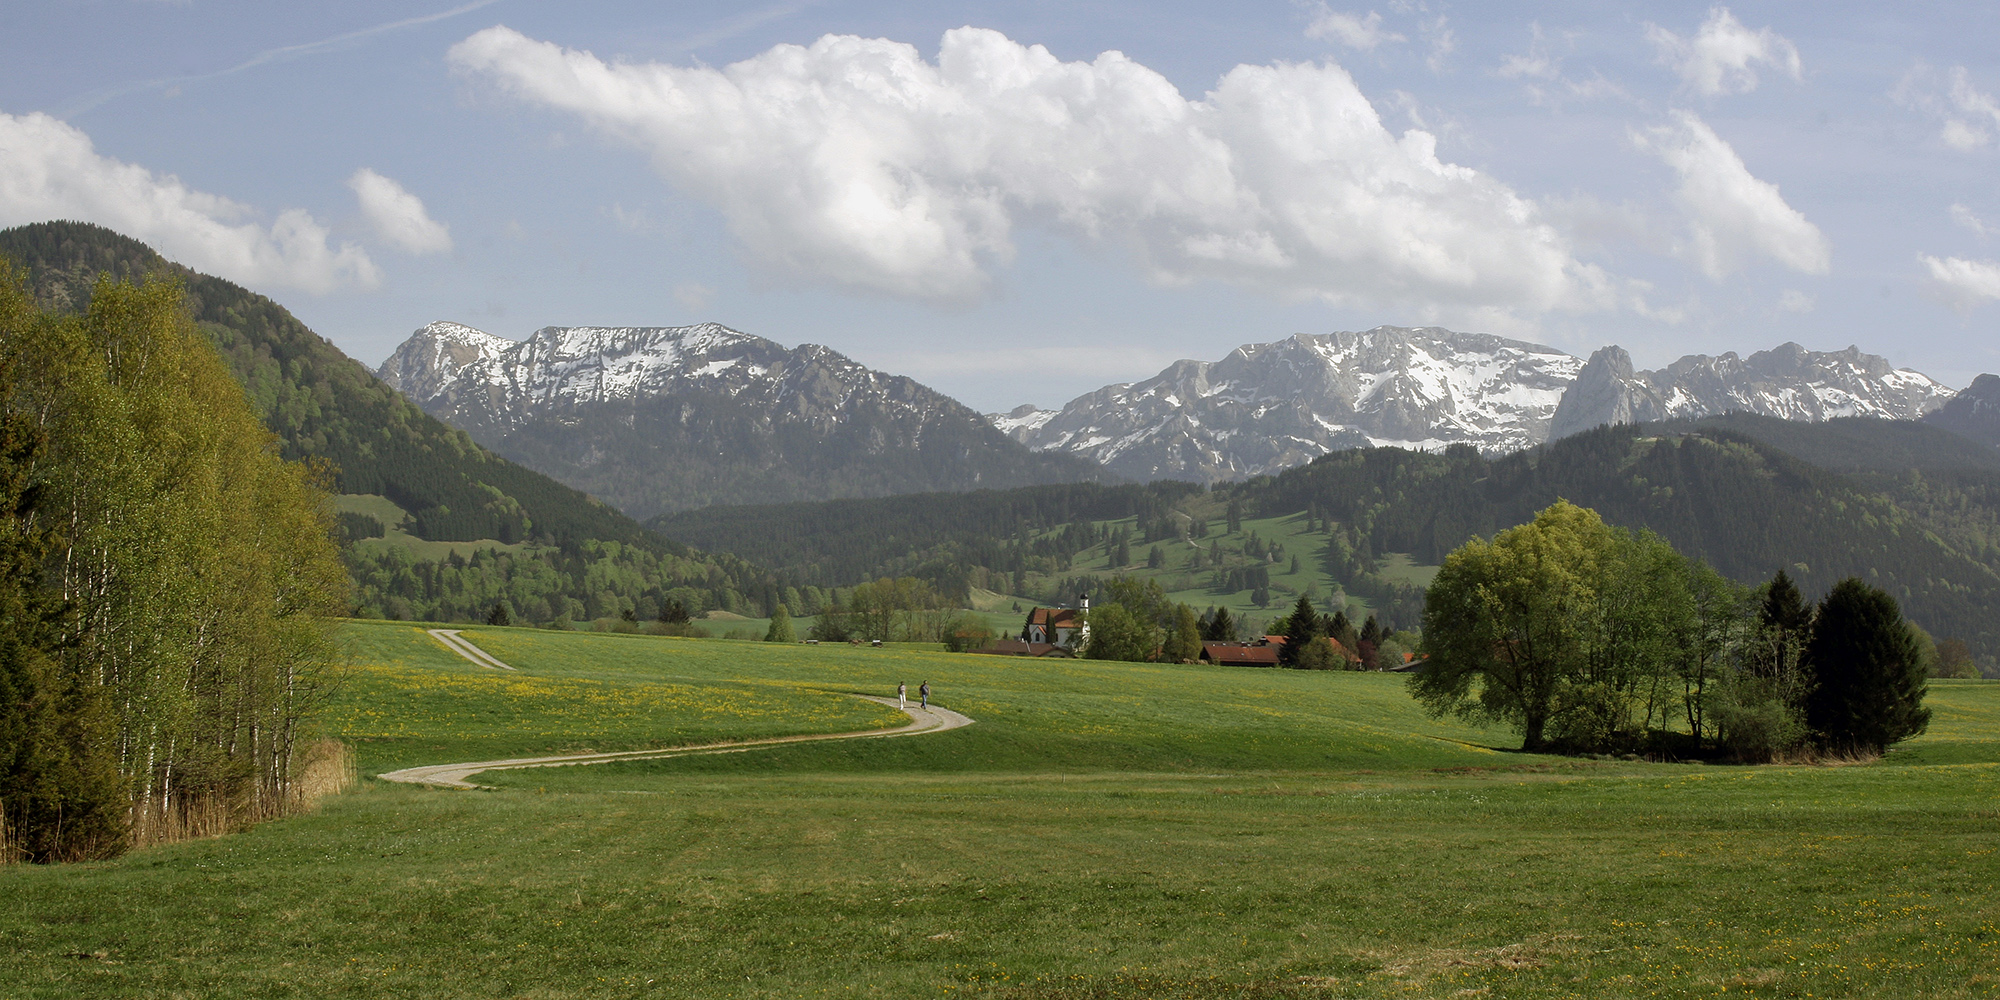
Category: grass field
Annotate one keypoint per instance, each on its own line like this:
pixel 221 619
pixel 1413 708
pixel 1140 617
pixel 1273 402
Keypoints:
pixel 1104 830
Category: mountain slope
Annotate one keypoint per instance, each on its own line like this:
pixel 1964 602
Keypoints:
pixel 1787 381
pixel 323 404
pixel 1268 407
pixel 1912 508
pixel 657 419
pixel 1974 414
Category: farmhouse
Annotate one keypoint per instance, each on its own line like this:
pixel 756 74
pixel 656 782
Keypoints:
pixel 1055 625
pixel 1241 654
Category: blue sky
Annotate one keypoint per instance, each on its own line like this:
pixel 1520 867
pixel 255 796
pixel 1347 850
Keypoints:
pixel 1062 196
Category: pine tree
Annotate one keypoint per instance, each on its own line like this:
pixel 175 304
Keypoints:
pixel 1218 626
pixel 1302 629
pixel 1235 515
pixel 1155 559
pixel 781 626
pixel 1868 680
pixel 500 615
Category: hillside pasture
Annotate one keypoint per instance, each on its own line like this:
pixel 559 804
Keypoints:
pixel 1103 830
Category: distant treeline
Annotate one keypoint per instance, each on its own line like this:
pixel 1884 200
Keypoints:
pixel 1906 507
pixel 987 538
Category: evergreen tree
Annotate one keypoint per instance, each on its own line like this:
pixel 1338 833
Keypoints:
pixel 673 612
pixel 1156 559
pixel 1868 679
pixel 500 615
pixel 781 626
pixel 1235 515
pixel 60 797
pixel 1218 626
pixel 1302 629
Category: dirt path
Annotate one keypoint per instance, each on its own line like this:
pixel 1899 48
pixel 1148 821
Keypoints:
pixel 465 648
pixel 922 720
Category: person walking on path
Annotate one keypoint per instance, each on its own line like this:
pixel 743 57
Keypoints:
pixel 924 695
pixel 902 695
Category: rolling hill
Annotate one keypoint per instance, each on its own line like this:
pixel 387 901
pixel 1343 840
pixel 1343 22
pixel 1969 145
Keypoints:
pixel 1906 506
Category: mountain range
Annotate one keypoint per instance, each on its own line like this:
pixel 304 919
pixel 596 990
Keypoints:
pixel 1268 407
pixel 656 419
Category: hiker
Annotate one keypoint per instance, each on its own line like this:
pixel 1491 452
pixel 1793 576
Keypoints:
pixel 924 695
pixel 902 695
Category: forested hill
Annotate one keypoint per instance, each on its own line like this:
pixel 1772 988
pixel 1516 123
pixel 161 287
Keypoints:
pixel 1931 537
pixel 323 404
pixel 1913 509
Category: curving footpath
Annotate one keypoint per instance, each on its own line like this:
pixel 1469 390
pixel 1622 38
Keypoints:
pixel 465 648
pixel 922 720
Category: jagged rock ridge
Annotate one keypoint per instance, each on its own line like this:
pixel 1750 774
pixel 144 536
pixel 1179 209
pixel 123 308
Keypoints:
pixel 654 419
pixel 1268 407
pixel 1788 382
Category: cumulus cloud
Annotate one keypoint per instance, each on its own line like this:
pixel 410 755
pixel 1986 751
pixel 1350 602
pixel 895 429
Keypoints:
pixel 1731 213
pixel 1351 30
pixel 856 161
pixel 397 215
pixel 1721 57
pixel 49 170
pixel 1962 283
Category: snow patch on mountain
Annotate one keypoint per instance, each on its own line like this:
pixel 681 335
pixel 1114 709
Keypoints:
pixel 1267 407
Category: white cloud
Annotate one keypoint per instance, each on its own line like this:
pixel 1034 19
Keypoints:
pixel 49 170
pixel 1731 213
pixel 1443 41
pixel 1962 283
pixel 1964 217
pixel 397 215
pixel 1792 300
pixel 855 161
pixel 1540 70
pixel 1719 58
pixel 1979 107
pixel 1351 30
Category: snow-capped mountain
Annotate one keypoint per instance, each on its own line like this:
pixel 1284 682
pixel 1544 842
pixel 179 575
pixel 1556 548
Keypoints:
pixel 653 419
pixel 1268 407
pixel 1787 381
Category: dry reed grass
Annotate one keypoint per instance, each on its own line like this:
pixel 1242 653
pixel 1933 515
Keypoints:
pixel 325 768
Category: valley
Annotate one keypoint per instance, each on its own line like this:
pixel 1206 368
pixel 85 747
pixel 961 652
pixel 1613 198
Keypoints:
pixel 1102 830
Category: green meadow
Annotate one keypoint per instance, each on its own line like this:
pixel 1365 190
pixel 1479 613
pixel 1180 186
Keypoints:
pixel 1103 830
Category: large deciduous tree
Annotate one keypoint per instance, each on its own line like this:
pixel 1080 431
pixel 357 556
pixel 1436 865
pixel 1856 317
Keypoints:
pixel 1507 622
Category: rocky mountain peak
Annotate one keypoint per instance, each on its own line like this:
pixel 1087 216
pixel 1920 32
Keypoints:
pixel 1787 381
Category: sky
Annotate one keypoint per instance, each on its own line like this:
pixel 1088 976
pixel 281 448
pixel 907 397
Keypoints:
pixel 1023 202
